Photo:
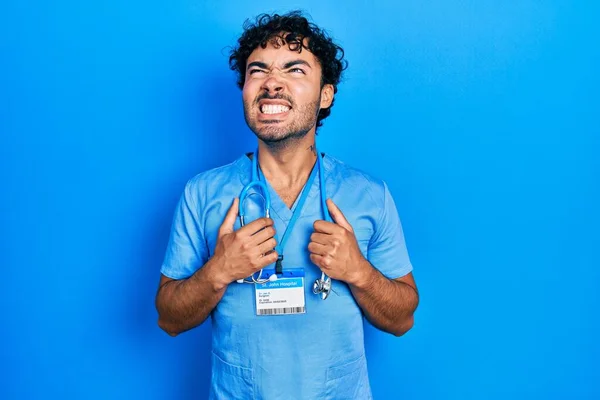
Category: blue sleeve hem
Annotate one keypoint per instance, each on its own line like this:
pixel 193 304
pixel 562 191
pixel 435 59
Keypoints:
pixel 405 270
pixel 169 273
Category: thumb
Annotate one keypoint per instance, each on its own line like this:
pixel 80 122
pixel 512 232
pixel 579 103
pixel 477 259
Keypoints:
pixel 338 216
pixel 229 221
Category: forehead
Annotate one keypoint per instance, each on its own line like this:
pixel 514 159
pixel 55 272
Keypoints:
pixel 280 53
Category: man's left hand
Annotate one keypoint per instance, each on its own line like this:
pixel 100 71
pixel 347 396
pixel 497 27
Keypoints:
pixel 334 249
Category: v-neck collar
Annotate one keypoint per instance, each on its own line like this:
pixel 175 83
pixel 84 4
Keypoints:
pixel 278 206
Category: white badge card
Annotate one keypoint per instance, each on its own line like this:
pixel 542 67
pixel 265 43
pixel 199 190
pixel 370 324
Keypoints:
pixel 283 296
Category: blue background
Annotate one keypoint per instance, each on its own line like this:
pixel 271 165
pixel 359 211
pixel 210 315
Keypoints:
pixel 482 116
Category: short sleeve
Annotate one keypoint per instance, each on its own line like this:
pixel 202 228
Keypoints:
pixel 387 248
pixel 186 250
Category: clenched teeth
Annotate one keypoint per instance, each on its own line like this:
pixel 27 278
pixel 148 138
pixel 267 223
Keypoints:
pixel 273 109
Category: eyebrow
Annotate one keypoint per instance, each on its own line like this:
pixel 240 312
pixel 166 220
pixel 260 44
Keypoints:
pixel 287 65
pixel 258 64
pixel 296 62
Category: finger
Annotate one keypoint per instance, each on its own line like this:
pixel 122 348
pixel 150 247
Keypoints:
pixel 265 247
pixel 325 227
pixel 317 248
pixel 255 226
pixel 230 217
pixel 321 238
pixel 338 216
pixel 316 259
pixel 268 259
pixel 320 261
pixel 262 235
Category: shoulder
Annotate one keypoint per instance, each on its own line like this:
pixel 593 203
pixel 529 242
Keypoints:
pixel 203 184
pixel 356 179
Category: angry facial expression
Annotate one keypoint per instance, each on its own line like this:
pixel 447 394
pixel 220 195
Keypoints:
pixel 282 93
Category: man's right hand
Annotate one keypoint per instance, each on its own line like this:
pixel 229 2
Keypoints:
pixel 243 252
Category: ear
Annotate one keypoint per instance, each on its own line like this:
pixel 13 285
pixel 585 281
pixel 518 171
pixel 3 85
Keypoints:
pixel 326 96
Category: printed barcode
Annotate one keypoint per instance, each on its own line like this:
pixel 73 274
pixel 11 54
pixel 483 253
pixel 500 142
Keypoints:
pixel 278 311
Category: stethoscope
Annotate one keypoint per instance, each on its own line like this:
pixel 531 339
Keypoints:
pixel 321 285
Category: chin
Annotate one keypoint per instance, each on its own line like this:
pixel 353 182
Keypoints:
pixel 272 134
pixel 279 132
pixel 280 136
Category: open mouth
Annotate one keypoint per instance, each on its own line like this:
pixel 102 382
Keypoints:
pixel 271 109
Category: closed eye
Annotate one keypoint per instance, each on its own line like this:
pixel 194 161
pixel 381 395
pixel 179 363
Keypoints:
pixel 296 70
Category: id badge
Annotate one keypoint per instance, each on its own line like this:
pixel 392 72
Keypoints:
pixel 281 297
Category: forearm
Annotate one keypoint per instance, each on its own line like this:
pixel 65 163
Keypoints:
pixel 388 304
pixel 185 304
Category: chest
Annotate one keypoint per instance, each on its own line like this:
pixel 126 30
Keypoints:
pixel 287 194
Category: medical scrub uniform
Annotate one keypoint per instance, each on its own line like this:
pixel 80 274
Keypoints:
pixel 315 355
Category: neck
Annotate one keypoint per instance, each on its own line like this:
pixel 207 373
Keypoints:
pixel 288 166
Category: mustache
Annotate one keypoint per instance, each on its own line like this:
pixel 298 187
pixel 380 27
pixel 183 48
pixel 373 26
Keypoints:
pixel 277 96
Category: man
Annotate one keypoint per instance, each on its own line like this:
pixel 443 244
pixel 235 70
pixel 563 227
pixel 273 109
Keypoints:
pixel 278 339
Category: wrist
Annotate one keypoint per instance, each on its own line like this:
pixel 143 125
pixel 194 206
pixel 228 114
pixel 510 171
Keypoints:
pixel 363 276
pixel 215 274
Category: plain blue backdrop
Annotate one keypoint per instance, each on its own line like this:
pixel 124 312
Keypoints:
pixel 482 116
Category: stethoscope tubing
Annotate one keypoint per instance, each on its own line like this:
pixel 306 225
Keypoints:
pixel 242 213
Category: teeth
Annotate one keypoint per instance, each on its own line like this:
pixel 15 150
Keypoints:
pixel 273 109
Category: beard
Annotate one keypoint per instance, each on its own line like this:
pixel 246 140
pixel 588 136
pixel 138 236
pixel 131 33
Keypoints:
pixel 304 118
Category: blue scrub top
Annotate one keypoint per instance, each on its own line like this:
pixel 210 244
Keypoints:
pixel 316 355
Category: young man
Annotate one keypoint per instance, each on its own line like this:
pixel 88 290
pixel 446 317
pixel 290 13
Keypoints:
pixel 330 226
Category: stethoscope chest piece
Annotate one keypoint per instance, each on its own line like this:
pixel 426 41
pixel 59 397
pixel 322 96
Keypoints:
pixel 322 286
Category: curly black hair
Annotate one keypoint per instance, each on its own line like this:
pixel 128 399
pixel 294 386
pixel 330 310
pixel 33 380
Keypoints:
pixel 291 29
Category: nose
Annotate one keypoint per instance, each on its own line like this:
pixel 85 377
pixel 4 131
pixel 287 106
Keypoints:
pixel 272 84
